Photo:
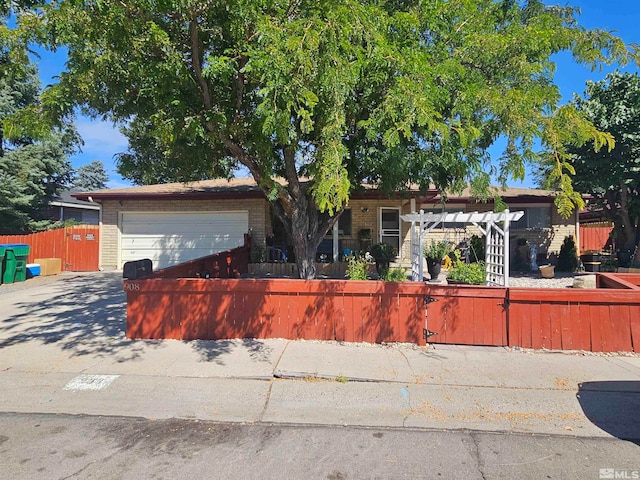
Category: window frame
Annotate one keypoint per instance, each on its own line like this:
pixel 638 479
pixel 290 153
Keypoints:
pixel 527 208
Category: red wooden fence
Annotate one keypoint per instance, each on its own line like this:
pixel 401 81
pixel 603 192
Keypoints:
pixel 78 246
pixel 606 319
pixel 595 237
pixel 343 310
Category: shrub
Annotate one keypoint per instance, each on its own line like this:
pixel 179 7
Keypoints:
pixel 469 273
pixel 477 245
pixel 357 267
pixel 568 257
pixel 383 251
pixel 397 274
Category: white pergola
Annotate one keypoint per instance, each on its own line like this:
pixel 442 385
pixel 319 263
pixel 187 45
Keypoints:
pixel 497 239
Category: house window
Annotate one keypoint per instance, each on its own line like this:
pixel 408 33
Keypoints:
pixel 344 224
pixel 534 217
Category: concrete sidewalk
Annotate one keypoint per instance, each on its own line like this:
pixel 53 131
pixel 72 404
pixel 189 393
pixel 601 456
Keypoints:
pixel 63 350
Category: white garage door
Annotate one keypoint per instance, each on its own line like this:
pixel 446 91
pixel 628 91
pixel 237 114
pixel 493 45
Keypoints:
pixel 172 238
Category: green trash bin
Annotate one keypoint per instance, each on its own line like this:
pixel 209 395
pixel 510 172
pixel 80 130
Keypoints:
pixel 15 263
pixel 3 250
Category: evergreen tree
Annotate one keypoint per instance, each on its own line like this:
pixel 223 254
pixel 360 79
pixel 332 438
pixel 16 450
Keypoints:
pixel 91 176
pixel 34 163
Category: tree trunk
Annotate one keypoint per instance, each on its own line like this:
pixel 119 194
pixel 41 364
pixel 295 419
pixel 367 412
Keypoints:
pixel 305 227
pixel 627 226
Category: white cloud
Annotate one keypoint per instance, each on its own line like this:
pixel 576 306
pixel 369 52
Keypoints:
pixel 101 139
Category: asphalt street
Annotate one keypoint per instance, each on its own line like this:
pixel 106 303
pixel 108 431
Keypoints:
pixel 62 446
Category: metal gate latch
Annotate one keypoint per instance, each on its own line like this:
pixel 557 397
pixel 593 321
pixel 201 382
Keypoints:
pixel 426 333
pixel 429 299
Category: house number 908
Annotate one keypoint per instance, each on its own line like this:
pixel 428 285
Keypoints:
pixel 132 286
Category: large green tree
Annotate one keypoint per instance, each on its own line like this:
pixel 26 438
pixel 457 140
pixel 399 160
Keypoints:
pixel 324 94
pixel 613 177
pixel 91 176
pixel 34 165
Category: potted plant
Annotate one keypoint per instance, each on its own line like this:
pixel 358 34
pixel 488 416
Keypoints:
pixel 383 253
pixel 434 253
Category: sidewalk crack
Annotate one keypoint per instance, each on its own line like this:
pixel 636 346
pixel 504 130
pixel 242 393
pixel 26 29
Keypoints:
pixel 474 450
pixel 266 402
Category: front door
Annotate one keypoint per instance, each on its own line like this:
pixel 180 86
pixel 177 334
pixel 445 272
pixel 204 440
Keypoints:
pixel 390 227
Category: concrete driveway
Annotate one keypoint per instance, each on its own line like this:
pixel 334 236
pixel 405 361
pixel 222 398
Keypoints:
pixel 76 322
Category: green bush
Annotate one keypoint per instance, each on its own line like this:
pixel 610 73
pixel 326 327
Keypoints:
pixel 396 274
pixel 477 245
pixel 383 251
pixel 357 267
pixel 568 256
pixel 469 273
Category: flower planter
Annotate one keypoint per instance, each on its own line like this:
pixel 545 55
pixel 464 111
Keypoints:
pixel 434 267
pixel 547 271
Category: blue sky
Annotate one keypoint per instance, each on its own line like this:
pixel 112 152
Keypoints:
pixel 103 141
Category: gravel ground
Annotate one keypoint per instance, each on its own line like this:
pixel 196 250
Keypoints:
pixel 534 280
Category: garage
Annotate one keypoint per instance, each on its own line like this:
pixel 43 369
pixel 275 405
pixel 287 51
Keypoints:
pixel 169 238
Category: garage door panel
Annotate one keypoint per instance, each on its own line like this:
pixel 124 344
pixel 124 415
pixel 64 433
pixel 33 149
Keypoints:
pixel 171 238
pixel 164 227
pixel 176 241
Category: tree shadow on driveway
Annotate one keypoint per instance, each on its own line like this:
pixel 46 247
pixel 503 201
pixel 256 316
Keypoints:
pixel 613 406
pixel 83 314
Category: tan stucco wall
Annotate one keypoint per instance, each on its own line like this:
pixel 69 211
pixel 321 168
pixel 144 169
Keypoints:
pixel 112 210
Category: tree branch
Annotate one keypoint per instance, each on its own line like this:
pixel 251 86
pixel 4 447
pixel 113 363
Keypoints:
pixel 196 62
pixel 266 183
pixel 242 62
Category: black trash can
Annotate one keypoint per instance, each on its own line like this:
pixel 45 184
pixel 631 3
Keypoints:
pixel 591 266
pixel 591 261
pixel 137 269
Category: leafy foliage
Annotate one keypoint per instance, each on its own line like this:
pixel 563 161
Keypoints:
pixel 91 176
pixel 468 273
pixel 383 251
pixel 324 94
pixel 612 177
pixel 357 267
pixel 437 250
pixel 396 274
pixel 477 244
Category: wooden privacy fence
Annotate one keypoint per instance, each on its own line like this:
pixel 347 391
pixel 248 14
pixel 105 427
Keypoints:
pixel 599 320
pixel 190 309
pixel 77 246
pixel 595 237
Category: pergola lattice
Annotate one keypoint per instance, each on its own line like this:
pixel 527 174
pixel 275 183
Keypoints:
pixel 496 247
